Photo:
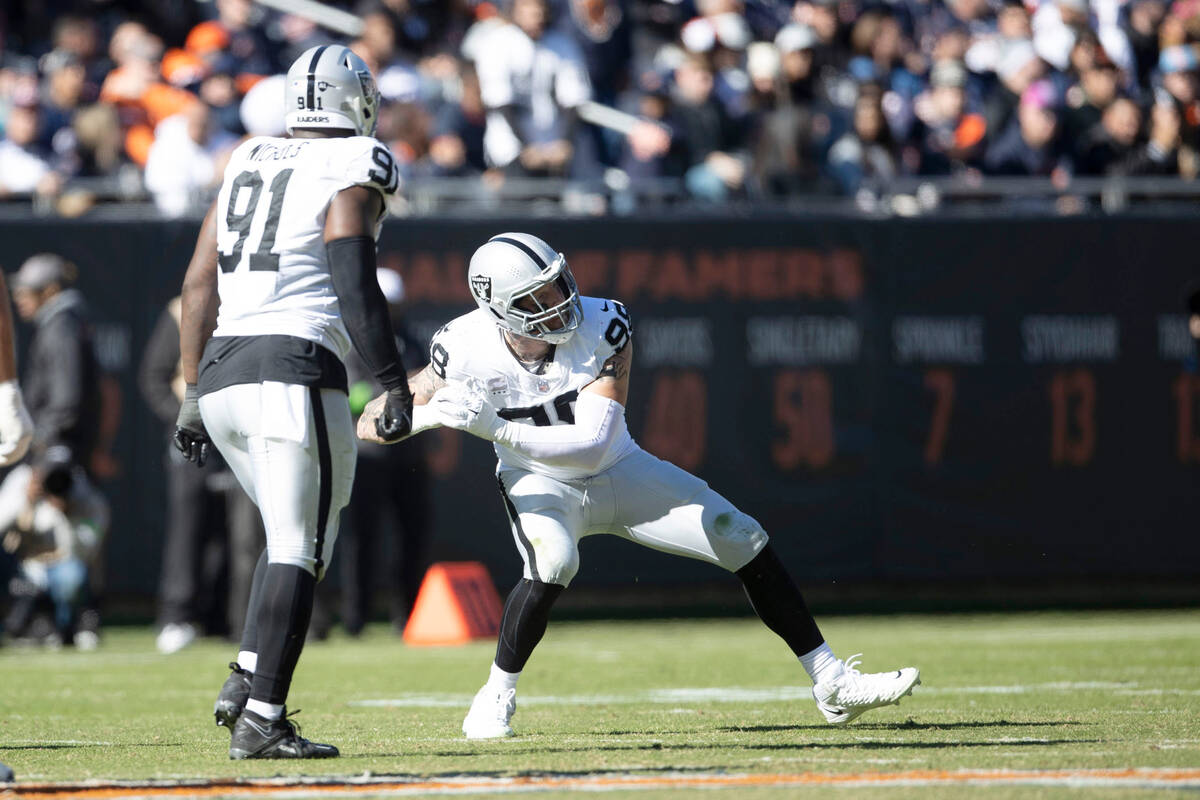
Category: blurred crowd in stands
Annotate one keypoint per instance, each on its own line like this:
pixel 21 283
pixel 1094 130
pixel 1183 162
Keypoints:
pixel 730 99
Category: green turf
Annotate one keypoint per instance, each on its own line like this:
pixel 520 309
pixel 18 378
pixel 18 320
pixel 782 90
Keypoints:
pixel 1070 690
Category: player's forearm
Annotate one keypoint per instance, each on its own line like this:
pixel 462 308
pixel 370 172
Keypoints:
pixel 599 424
pixel 364 309
pixel 197 322
pixel 198 301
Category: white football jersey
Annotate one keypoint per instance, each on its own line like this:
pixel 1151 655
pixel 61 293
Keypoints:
pixel 273 276
pixel 470 350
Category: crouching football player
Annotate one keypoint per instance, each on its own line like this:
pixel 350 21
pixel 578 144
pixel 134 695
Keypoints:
pixel 544 374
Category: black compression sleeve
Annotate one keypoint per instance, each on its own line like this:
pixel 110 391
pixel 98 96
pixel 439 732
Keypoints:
pixel 364 310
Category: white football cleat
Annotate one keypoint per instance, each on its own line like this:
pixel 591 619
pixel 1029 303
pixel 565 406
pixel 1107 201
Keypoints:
pixel 850 694
pixel 490 712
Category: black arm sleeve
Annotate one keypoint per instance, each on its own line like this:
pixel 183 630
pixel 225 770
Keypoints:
pixel 364 310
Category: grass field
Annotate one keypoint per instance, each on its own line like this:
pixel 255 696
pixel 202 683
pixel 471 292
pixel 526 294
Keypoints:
pixel 652 709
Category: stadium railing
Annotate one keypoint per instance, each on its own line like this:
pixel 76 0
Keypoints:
pixel 124 195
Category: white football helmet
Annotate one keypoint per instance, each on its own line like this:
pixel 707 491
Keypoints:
pixel 330 87
pixel 514 266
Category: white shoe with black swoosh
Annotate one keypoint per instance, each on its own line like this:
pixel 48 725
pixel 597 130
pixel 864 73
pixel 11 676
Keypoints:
pixel 845 697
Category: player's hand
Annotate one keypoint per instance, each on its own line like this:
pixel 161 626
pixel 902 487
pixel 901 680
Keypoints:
pixel 395 420
pixel 16 428
pixel 467 410
pixel 190 437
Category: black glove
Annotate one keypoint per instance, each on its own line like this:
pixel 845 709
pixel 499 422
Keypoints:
pixel 396 420
pixel 190 436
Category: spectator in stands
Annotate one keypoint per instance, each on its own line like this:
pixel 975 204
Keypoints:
pixel 1163 153
pixel 532 81
pixel 297 34
pixel 24 165
pixel 1141 26
pixel 712 140
pixel 62 96
pixel 880 48
pixel 986 51
pixel 186 160
pixel 219 92
pixel 784 133
pixel 1177 66
pixel 795 44
pixel 865 156
pixel 405 128
pixel 975 18
pixel 1017 70
pixel 1056 26
pixel 398 80
pixel 78 38
pixel 821 16
pixel 721 35
pixel 1110 145
pixel 456 148
pixel 142 100
pixel 1030 145
pixel 950 139
pixel 656 149
pixel 235 39
pixel 604 34
pixel 1099 80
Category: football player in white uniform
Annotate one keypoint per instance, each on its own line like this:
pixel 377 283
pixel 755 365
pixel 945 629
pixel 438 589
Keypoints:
pixel 544 374
pixel 281 285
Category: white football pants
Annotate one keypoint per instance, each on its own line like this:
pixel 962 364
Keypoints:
pixel 292 449
pixel 640 498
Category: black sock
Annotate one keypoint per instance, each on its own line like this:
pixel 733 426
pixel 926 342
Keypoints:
pixel 250 627
pixel 284 609
pixel 526 612
pixel 778 602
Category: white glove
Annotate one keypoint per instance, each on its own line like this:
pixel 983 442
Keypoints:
pixel 466 409
pixel 16 428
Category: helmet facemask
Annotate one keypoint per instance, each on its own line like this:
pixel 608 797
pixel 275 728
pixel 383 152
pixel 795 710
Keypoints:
pixel 537 324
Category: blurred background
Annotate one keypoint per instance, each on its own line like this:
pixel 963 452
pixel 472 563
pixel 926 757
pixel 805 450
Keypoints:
pixel 910 279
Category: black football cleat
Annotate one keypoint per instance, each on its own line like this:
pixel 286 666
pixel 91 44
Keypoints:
pixel 233 696
pixel 258 737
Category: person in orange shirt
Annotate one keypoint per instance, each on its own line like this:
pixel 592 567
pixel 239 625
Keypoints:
pixel 141 98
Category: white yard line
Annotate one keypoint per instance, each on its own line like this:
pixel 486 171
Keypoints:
pixel 740 694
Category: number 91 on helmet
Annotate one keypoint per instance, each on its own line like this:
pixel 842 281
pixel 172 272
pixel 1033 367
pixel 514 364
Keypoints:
pixel 527 286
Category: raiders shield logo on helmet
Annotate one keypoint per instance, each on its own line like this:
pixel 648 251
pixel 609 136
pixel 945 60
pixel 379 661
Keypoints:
pixel 482 286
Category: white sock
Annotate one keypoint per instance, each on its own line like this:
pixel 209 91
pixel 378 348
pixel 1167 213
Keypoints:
pixel 247 660
pixel 264 710
pixel 821 664
pixel 499 679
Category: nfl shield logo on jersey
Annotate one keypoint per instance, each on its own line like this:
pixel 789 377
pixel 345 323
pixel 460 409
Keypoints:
pixel 482 286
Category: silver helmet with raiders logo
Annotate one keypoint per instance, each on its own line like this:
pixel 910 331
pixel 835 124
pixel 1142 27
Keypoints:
pixel 511 277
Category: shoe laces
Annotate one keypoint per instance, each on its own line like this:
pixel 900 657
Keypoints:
pixel 286 719
pixel 239 669
pixel 854 687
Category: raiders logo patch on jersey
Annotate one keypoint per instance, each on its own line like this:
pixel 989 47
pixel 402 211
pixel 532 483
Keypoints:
pixel 482 286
